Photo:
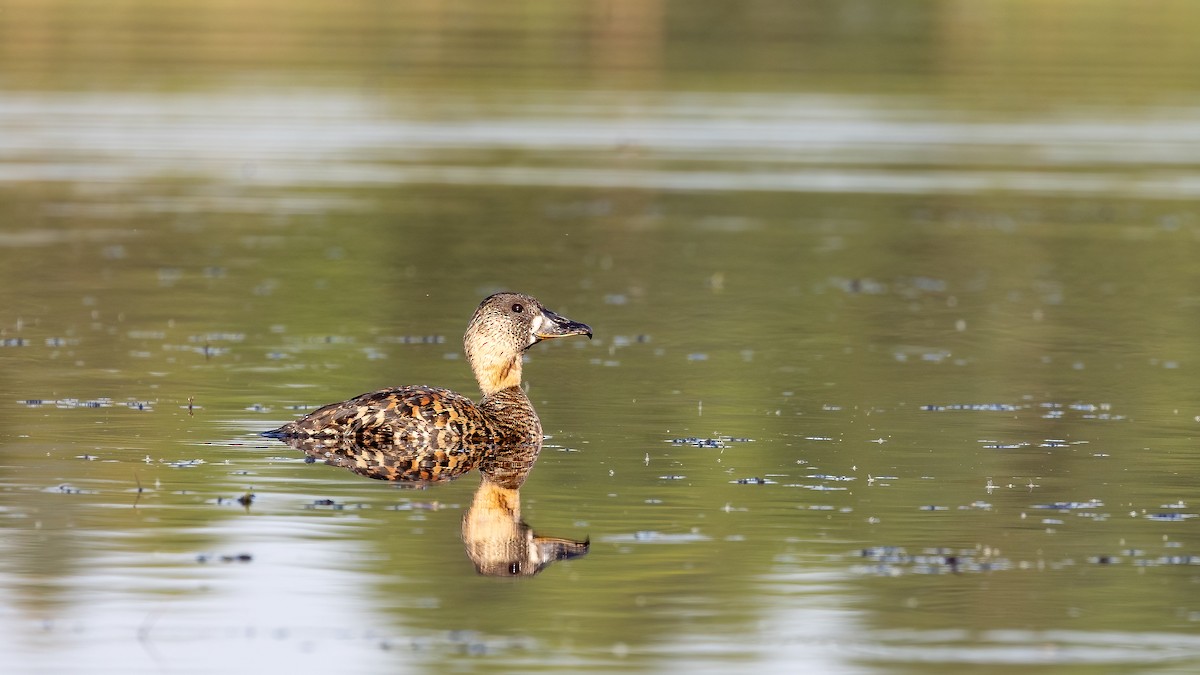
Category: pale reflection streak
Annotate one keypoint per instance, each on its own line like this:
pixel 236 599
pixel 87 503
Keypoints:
pixel 683 142
pixel 153 613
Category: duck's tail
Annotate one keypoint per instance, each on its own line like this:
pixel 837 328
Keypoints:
pixel 281 433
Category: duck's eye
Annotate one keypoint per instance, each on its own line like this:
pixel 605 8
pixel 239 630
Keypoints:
pixel 518 308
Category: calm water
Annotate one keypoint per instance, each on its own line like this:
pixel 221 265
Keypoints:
pixel 895 313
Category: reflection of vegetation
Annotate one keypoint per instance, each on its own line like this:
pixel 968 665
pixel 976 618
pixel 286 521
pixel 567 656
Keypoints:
pixel 991 53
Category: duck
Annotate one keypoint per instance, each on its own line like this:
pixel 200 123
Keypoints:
pixel 426 434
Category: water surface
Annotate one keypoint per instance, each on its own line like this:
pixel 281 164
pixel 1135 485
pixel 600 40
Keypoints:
pixel 894 313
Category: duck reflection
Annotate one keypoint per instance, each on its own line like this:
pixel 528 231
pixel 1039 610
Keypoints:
pixel 497 540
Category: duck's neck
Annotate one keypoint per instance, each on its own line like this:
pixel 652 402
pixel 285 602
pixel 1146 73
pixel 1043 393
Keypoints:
pixel 495 362
pixel 495 375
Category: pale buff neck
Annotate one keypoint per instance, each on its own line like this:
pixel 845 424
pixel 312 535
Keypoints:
pixel 495 365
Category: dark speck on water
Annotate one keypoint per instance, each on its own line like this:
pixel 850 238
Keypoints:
pixel 411 339
pixel 1170 517
pixel 238 558
pixel 1070 506
pixel 981 407
pixel 719 442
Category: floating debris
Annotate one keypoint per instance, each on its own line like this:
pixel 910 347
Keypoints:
pixel 977 407
pixel 894 561
pixel 627 340
pixel 420 506
pixel 67 403
pixel 1069 506
pixel 655 537
pixel 68 489
pixel 672 477
pixel 885 554
pixel 218 337
pixel 931 507
pixel 1170 517
pixel 1177 560
pixel 753 481
pixel 411 339
pixel 186 463
pixel 323 504
pixel 698 442
pixel 865 286
pixel 718 442
pixel 239 558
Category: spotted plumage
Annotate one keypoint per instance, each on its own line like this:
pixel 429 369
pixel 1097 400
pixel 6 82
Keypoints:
pixel 421 433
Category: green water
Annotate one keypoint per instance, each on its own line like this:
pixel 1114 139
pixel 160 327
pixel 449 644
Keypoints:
pixel 919 279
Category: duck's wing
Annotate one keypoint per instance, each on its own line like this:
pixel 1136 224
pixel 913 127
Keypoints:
pixel 402 434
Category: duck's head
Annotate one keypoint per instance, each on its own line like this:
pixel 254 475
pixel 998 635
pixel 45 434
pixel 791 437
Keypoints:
pixel 504 326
